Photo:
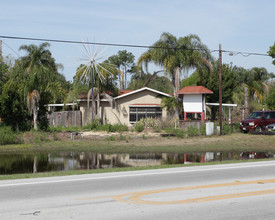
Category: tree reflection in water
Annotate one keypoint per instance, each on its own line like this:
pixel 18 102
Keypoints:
pixel 28 163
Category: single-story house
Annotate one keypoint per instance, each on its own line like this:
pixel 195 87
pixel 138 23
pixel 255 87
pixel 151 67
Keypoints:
pixel 127 108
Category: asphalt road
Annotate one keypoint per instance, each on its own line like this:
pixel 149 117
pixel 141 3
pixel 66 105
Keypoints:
pixel 232 191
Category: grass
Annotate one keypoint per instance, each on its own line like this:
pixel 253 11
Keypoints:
pixel 8 136
pixel 79 172
pixel 146 144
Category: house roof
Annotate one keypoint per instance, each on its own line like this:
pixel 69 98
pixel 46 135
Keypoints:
pixel 122 92
pixel 143 105
pixel 142 89
pixel 194 90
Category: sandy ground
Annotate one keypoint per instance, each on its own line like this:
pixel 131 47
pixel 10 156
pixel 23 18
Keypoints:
pixel 103 134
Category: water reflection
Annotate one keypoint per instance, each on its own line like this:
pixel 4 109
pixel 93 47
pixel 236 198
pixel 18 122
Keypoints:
pixel 26 163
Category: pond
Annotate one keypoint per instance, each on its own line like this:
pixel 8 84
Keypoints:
pixel 28 163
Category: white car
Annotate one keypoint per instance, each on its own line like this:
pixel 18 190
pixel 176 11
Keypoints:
pixel 270 127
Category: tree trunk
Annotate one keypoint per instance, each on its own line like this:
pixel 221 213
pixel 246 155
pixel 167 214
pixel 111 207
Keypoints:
pixel 176 88
pixel 125 73
pixel 34 164
pixel 35 114
pixel 246 101
pixel 98 105
pixel 177 79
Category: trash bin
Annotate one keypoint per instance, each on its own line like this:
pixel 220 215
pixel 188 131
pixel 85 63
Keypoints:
pixel 209 128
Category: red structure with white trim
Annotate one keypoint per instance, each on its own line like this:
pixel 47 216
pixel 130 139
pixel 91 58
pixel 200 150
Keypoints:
pixel 194 100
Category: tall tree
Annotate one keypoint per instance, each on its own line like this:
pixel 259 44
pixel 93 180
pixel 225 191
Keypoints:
pixel 270 99
pixel 44 81
pixel 125 63
pixel 13 108
pixel 160 83
pixel 271 52
pixel 254 84
pixel 229 75
pixel 176 55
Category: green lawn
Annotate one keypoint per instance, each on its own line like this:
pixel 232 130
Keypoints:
pixel 226 143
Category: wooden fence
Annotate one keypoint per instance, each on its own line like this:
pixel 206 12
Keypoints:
pixel 65 118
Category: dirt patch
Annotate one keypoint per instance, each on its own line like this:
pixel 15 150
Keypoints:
pixel 104 134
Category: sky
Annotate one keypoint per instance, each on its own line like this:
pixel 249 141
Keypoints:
pixel 238 25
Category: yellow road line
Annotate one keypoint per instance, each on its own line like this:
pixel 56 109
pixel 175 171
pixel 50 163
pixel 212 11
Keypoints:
pixel 135 197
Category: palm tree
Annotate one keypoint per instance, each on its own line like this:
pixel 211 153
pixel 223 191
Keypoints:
pixel 253 85
pixel 37 56
pixel 176 55
pixel 33 99
pixel 43 77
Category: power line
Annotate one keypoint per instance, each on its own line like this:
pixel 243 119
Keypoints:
pixel 230 53
pixel 11 49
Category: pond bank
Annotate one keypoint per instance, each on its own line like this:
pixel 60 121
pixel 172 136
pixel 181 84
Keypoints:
pixel 147 143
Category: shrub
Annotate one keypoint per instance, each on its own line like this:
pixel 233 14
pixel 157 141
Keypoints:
pixel 177 132
pixel 230 128
pixel 139 127
pixel 119 127
pixel 59 128
pixel 40 136
pixel 150 122
pixel 93 125
pixel 8 136
pixel 203 130
pixel 192 131
pixel 106 127
pixel 72 129
pixel 97 126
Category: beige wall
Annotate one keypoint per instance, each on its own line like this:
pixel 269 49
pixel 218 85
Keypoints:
pixel 86 113
pixel 114 114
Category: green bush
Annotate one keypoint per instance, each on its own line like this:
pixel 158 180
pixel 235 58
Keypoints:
pixel 177 132
pixel 97 126
pixel 59 128
pixel 139 127
pixel 203 130
pixel 72 129
pixel 119 128
pixel 230 128
pixel 192 131
pixel 39 136
pixel 93 125
pixel 8 136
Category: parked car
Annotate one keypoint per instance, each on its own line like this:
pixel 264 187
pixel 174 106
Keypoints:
pixel 257 121
pixel 270 127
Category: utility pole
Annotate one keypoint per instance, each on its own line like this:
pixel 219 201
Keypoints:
pixel 93 99
pixel 220 87
pixel 0 49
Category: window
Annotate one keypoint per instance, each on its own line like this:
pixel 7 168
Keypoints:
pixel 272 115
pixel 137 113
